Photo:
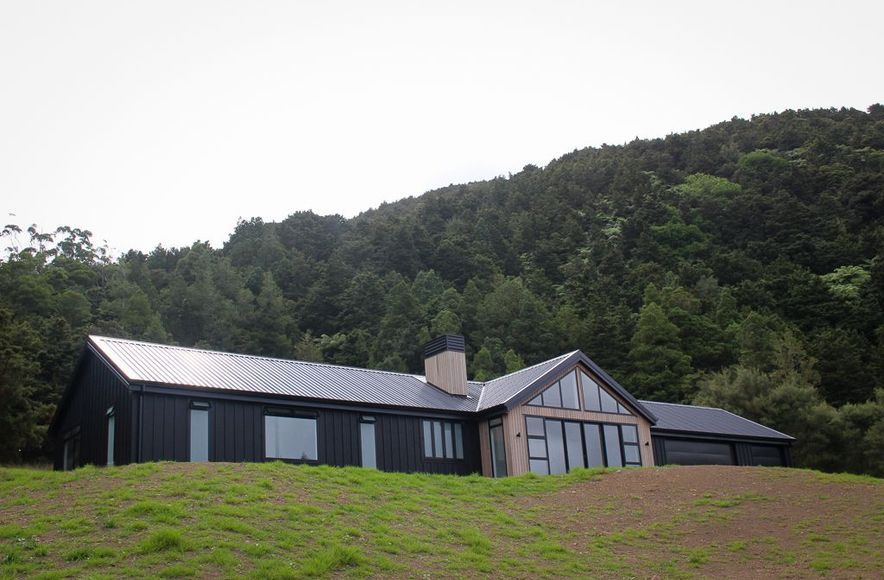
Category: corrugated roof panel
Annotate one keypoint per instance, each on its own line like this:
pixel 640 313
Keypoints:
pixel 502 389
pixel 695 419
pixel 171 365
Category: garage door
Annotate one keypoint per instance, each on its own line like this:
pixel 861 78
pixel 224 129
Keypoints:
pixel 688 452
pixel 766 455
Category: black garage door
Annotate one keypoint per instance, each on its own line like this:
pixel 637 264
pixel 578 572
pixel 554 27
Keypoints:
pixel 687 452
pixel 766 455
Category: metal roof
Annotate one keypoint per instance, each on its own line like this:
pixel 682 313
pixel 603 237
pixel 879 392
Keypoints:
pixel 708 420
pixel 144 362
pixel 502 389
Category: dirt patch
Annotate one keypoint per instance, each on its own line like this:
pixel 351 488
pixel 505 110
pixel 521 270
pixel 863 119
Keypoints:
pixel 724 521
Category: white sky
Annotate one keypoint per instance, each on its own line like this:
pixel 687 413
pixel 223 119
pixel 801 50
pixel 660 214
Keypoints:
pixel 163 122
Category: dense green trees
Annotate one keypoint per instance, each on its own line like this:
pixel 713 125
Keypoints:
pixel 740 266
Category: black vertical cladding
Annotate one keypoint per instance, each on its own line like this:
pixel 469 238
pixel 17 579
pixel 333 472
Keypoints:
pixel 236 434
pixel 96 388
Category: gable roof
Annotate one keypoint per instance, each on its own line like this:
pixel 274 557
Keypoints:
pixel 708 420
pixel 157 364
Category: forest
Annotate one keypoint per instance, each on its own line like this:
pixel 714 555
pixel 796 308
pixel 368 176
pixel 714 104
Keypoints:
pixel 739 266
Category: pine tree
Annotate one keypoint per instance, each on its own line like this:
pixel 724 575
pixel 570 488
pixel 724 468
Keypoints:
pixel 661 371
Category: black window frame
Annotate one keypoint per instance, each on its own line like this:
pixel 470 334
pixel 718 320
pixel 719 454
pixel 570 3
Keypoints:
pixel 581 387
pixel 456 427
pixel 273 411
pixel 497 423
pixel 557 385
pixel 585 451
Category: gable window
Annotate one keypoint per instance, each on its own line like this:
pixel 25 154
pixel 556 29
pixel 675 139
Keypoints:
pixel 199 431
pixel 443 439
pixel 289 436
pixel 367 441
pixel 596 398
pixel 561 394
pixel 558 446
pixel 111 433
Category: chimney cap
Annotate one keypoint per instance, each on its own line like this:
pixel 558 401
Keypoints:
pixel 452 342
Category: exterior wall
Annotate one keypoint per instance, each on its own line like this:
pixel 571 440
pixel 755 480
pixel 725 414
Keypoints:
pixel 485 448
pixel 94 390
pixel 517 440
pixel 236 433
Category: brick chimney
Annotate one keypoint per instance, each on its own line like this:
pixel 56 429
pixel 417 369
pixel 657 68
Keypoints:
pixel 445 364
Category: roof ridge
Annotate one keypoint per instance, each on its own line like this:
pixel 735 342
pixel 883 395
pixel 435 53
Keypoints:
pixel 567 354
pixel 684 405
pixel 254 356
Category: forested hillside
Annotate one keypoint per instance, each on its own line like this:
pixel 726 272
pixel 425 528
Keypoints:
pixel 739 266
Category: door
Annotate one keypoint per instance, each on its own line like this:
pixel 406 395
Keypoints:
pixel 498 450
pixel 697 452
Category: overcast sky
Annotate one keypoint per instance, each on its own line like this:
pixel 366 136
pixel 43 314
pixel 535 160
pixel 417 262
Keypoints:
pixel 163 122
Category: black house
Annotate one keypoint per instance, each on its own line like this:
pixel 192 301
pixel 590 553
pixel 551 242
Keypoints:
pixel 133 401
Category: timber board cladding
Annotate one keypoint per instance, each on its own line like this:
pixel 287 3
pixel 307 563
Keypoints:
pixel 485 448
pixel 517 439
pixel 448 371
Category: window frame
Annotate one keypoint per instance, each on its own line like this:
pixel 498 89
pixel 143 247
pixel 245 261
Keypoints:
pixel 493 424
pixel 620 408
pixel 293 414
pixel 584 451
pixel 456 428
pixel 200 405
pixel 111 432
pixel 557 386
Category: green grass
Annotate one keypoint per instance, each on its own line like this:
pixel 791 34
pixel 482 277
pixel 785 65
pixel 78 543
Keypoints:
pixel 277 520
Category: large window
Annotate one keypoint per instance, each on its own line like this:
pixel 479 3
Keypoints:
pixel 561 394
pixel 287 436
pixel 557 446
pixel 367 442
pixel 111 435
pixel 443 440
pixel 199 431
pixel 498 448
pixel 596 398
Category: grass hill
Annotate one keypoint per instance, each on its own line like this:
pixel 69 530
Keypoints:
pixel 276 520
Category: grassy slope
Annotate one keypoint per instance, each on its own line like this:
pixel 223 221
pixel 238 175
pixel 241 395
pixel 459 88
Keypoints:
pixel 279 520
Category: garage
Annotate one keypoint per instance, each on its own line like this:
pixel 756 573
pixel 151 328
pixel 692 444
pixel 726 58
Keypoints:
pixel 692 435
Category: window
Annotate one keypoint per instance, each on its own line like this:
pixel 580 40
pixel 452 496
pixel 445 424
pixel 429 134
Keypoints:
pixel 111 433
pixel 443 440
pixel 367 442
pixel 557 446
pixel 596 398
pixel 562 394
pixel 199 431
pixel 498 449
pixel 71 459
pixel 289 437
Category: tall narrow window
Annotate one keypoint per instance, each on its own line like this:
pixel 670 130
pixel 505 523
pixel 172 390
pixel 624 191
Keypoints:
pixel 555 442
pixel 612 446
pixel 594 452
pixel 111 432
pixel 199 431
pixel 574 442
pixel 498 449
pixel 367 442
pixel 538 459
pixel 631 453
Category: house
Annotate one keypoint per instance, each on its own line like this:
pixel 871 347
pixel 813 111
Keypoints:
pixel 133 401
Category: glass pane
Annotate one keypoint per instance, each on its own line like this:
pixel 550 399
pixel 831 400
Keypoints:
pixel 622 410
pixel 569 392
pixel 535 426
pixel 631 454
pixel 428 439
pixel 609 403
pixel 630 433
pixel 290 438
pixel 449 441
pixel 551 397
pixel 593 445
pixel 437 438
pixel 536 401
pixel 539 466
pixel 369 450
pixel 590 393
pixel 111 432
pixel 498 453
pixel 574 445
pixel 199 435
pixel 458 441
pixel 555 441
pixel 536 447
pixel 612 446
